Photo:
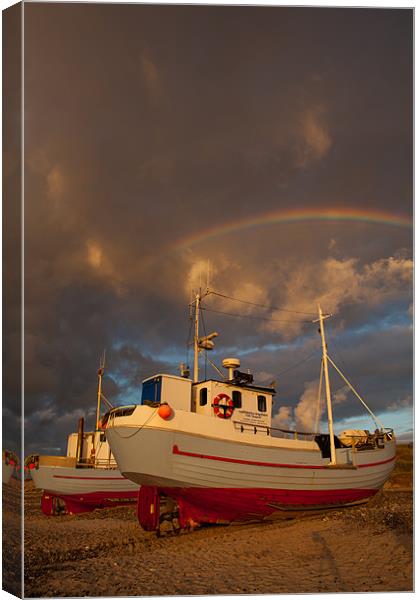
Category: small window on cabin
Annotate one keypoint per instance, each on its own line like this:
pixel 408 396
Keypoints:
pixel 102 437
pixel 203 396
pixel 237 399
pixel 151 391
pixel 262 404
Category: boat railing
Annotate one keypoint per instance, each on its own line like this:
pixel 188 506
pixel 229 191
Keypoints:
pixel 376 439
pixel 244 427
pixel 97 463
pixel 109 463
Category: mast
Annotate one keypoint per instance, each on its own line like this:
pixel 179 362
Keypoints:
pixel 100 375
pixel 200 343
pixel 196 321
pixel 327 383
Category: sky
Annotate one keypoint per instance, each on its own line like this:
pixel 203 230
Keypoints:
pixel 274 144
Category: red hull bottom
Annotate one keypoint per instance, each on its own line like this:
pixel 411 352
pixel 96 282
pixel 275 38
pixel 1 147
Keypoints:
pixel 80 503
pixel 216 505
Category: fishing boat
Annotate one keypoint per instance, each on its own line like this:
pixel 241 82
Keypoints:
pixel 10 465
pixel 209 446
pixel 87 477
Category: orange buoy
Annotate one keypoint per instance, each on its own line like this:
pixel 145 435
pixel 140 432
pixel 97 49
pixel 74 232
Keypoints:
pixel 165 411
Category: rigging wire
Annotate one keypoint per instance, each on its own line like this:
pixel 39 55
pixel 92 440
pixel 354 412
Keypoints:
pixel 106 400
pixel 203 308
pixel 318 404
pixel 297 312
pixel 349 385
pixel 298 363
pixel 294 365
pixel 126 437
pixel 187 353
pixel 337 351
pixel 376 419
pixel 221 312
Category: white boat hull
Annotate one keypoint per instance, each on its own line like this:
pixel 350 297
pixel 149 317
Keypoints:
pixel 226 474
pixel 7 472
pixel 82 489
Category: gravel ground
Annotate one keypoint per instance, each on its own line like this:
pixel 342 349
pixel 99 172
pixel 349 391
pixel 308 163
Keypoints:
pixel 12 536
pixel 106 553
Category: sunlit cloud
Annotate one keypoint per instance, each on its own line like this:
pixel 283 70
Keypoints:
pixel 94 254
pixel 334 283
pixel 55 182
pixel 104 268
pixel 282 418
pixel 227 276
pixel 406 401
pixel 161 145
pixel 314 136
pixel 306 410
pixel 341 395
pixel 198 275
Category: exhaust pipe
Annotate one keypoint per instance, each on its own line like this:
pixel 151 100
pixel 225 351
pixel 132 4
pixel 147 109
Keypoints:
pixel 79 449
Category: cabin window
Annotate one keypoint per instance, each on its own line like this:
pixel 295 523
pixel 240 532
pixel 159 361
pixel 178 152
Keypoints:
pixel 102 437
pixel 151 391
pixel 237 399
pixel 262 404
pixel 203 396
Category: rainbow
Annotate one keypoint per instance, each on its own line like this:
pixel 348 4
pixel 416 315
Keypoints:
pixel 295 216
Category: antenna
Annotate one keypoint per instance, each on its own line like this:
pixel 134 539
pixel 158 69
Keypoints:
pixel 100 375
pixel 208 275
pixel 216 368
pixel 102 361
pixel 196 329
pixel 190 311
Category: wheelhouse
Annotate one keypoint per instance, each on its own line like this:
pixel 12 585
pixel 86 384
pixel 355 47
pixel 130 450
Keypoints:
pixel 250 403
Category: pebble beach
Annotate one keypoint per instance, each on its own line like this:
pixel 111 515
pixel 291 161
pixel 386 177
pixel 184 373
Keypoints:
pixel 368 548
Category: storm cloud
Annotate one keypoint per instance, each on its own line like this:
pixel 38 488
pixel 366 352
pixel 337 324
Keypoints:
pixel 148 125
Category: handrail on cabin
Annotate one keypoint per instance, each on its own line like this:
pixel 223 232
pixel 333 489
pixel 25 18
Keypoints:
pixel 386 431
pixel 270 428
